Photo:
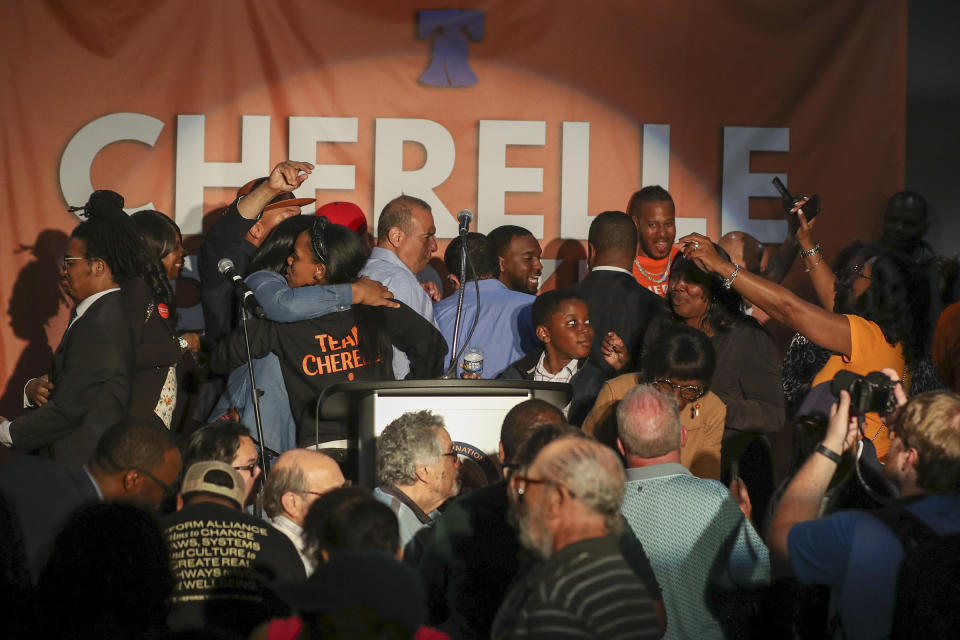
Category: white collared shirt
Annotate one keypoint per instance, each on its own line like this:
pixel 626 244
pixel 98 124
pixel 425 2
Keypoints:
pixel 294 532
pixel 87 302
pixel 610 268
pixel 540 374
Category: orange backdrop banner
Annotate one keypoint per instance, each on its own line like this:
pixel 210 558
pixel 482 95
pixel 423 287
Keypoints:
pixel 540 113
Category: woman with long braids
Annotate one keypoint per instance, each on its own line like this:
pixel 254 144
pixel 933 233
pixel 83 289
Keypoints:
pixel 160 351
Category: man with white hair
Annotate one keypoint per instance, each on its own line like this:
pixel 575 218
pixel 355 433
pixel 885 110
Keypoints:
pixel 688 526
pixel 298 478
pixel 417 470
pixel 567 504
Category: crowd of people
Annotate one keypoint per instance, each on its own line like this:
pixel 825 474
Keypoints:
pixel 148 491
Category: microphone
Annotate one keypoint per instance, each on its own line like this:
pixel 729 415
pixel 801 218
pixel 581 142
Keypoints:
pixel 249 301
pixel 464 217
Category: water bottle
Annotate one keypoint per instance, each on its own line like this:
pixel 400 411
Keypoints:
pixel 473 360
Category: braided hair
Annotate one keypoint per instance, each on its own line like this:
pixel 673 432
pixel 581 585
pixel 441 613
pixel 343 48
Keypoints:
pixel 160 235
pixel 111 236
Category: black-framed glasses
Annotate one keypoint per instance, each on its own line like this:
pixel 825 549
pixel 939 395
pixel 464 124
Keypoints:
pixel 852 272
pixel 687 392
pixel 168 489
pixel 856 271
pixel 248 467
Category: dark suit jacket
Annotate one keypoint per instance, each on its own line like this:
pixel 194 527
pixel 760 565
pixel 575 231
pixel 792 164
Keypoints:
pixel 618 303
pixel 41 495
pixel 155 347
pixel 227 238
pixel 91 377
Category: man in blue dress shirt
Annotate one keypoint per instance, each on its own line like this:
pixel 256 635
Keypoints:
pixel 504 330
pixel 406 238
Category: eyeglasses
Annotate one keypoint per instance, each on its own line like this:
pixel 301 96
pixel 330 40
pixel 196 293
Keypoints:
pixel 893 435
pixel 67 260
pixel 694 392
pixel 319 494
pixel 522 483
pixel 852 272
pixel 248 467
pixel 168 489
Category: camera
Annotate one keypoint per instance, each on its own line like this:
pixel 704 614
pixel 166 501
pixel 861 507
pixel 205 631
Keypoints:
pixel 873 392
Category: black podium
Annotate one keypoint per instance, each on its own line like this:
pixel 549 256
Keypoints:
pixel 473 411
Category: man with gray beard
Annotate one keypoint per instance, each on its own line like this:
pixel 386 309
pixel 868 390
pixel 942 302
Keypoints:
pixel 567 505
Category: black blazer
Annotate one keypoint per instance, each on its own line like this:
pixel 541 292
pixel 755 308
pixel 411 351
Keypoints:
pixel 618 303
pixel 227 238
pixel 91 377
pixel 155 348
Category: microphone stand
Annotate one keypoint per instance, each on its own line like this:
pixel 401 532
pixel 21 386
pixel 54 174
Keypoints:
pixel 451 372
pixel 254 396
pixel 454 354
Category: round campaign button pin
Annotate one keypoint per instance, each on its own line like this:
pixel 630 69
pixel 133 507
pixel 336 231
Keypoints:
pixel 163 310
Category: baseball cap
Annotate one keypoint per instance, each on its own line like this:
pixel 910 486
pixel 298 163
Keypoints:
pixel 344 213
pixel 218 478
pixel 285 199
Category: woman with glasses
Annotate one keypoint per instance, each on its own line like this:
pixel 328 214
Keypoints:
pixel 835 289
pixel 875 315
pixel 681 363
pixel 747 376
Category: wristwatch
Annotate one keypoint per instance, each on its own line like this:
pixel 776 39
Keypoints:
pixel 184 345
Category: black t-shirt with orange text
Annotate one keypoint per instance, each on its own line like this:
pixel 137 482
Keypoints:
pixel 345 346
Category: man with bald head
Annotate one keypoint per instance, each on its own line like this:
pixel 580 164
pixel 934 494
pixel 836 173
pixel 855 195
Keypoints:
pixel 691 528
pixel 745 250
pixel 406 238
pixel 298 479
pixel 750 254
pixel 567 504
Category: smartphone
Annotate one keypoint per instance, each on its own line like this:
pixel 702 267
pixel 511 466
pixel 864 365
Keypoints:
pixel 810 210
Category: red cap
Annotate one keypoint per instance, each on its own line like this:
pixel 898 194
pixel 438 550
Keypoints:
pixel 346 214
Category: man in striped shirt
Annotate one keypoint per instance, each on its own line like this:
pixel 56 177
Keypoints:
pixel 567 507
